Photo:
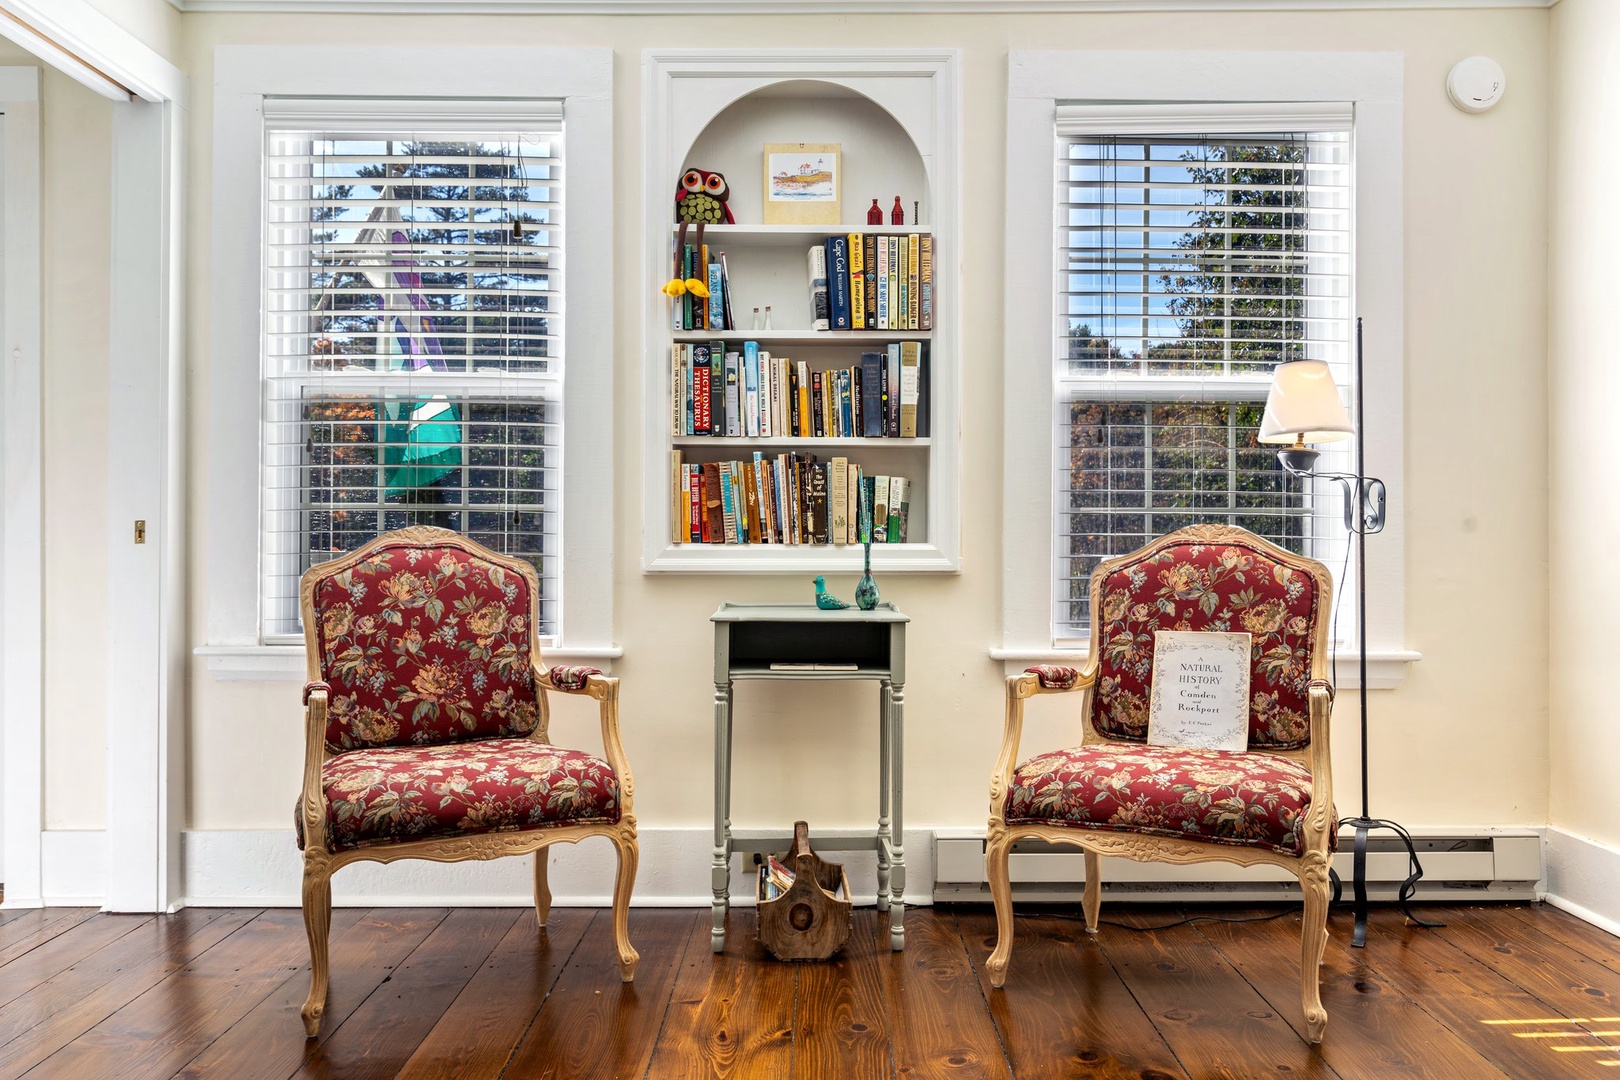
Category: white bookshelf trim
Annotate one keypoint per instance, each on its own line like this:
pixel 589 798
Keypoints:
pixel 683 91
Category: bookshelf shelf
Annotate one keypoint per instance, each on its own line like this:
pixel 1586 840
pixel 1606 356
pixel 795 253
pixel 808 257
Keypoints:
pixel 894 115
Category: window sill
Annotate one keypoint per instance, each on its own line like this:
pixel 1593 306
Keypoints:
pixel 285 663
pixel 1386 668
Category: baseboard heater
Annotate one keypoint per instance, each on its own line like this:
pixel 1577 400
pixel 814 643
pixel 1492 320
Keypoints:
pixel 1494 865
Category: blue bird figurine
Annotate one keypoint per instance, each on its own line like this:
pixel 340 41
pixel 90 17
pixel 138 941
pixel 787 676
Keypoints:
pixel 825 600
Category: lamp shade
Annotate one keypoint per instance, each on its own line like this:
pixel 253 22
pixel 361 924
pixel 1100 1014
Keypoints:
pixel 1304 405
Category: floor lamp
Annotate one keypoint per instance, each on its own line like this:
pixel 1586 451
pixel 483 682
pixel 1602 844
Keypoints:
pixel 1303 407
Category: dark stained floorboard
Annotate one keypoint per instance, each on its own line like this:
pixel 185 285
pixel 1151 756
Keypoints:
pixel 1520 992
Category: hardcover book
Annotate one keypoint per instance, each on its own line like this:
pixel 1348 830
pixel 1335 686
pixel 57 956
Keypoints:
pixel 817 475
pixel 750 378
pixel 714 526
pixel 840 500
pixel 733 395
pixel 880 509
pixel 838 301
pixel 925 274
pixel 857 282
pixel 913 291
pixel 869 260
pixel 700 390
pixel 910 357
pixel 899 507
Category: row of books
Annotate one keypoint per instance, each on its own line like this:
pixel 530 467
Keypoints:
pixel 748 393
pixel 864 281
pixel 787 499
pixel 714 311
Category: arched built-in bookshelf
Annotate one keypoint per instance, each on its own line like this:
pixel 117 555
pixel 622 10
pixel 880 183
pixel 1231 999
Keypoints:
pixel 893 116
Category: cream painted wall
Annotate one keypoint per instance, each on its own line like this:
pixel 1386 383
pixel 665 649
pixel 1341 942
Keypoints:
pixel 1462 743
pixel 76 125
pixel 1583 386
pixel 154 23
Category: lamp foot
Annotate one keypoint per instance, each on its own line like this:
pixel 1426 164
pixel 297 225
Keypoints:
pixel 1363 826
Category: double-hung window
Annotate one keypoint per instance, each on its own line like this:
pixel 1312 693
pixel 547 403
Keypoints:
pixel 1196 249
pixel 407 328
pixel 413 333
pixel 1177 225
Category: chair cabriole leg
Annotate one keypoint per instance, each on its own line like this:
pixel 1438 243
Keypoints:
pixel 542 888
pixel 1091 902
pixel 318 925
pixel 624 882
pixel 1313 884
pixel 995 871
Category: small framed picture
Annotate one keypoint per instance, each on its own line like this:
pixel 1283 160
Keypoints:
pixel 803 184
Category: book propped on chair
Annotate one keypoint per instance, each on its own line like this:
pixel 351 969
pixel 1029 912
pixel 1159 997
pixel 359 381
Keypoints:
pixel 1200 693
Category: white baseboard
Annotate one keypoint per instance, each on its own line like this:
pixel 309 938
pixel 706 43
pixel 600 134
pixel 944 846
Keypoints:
pixel 73 867
pixel 1583 878
pixel 263 868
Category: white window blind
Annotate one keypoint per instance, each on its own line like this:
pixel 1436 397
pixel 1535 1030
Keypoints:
pixel 413 335
pixel 1197 248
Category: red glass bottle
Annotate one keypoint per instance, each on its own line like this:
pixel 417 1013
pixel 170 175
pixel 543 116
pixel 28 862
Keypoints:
pixel 897 216
pixel 874 216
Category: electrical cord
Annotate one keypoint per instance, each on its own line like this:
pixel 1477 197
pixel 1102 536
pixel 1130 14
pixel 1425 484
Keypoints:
pixel 1187 921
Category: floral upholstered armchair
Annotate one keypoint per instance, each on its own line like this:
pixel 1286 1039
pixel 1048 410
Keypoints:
pixel 426 728
pixel 1115 795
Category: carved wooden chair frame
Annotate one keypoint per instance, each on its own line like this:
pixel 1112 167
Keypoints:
pixel 1317 829
pixel 320 863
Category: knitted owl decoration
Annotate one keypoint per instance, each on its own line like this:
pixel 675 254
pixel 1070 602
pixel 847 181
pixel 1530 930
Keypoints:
pixel 700 199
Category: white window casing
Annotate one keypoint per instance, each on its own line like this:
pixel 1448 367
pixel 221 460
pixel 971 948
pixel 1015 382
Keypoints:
pixel 1056 96
pixel 472 366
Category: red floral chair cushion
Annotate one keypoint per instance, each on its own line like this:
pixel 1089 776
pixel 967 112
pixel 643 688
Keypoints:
pixel 389 794
pixel 1215 795
pixel 1228 587
pixel 425 645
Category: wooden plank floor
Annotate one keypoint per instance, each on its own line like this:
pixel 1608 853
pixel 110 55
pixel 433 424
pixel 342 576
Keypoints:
pixel 1501 991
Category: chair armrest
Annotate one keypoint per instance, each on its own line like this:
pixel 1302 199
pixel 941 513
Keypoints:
pixel 1059 679
pixel 313 803
pixel 564 679
pixel 1320 763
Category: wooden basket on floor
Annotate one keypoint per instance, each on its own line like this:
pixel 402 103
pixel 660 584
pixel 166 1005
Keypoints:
pixel 811 920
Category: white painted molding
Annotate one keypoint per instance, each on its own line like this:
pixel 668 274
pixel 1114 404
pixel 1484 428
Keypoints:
pixel 245 868
pixel 1583 878
pixel 1037 81
pixel 22 661
pixel 94 41
pixel 829 7
pixel 286 663
pixel 244 75
pixel 75 868
pixel 1385 670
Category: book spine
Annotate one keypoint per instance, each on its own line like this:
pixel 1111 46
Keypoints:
pixel 902 273
pixel 806 420
pixel 717 388
pixel 688 268
pixel 853 493
pixel 910 355
pixel 871 395
pixel 902 518
pixel 838 282
pixel 750 376
pixel 728 507
pixel 765 410
pixel 701 424
pixel 925 275
pixel 818 404
pixel 869 256
pixel 894 283
pixel 818 288
pixel 857 283
pixel 714 525
pixel 891 404
pixel 840 500
pixel 677 480
pixel 762 484
pixel 729 320
pixel 676 379
pixel 882 243
pixel 880 510
pixel 925 404
pixel 913 292
pixel 816 526
pixel 688 402
pixel 898 496
pixel 694 509
pixel 751 491
pixel 846 403
pixel 733 396
pixel 717 298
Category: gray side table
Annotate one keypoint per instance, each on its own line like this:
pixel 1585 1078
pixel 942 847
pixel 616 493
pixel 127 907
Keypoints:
pixel 802 642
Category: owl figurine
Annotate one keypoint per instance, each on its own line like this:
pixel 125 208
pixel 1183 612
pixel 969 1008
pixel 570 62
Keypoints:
pixel 700 199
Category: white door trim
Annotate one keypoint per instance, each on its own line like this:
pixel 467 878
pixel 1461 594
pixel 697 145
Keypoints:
pixel 22 662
